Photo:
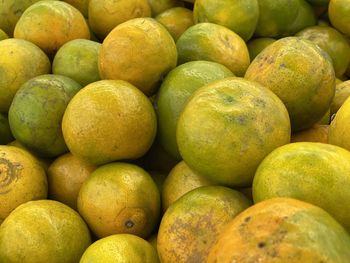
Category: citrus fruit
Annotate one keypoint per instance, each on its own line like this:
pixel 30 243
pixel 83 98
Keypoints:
pixel 180 181
pixel 22 179
pixel 256 45
pixel 300 74
pixel 339 128
pixel 282 230
pixel 65 176
pixel 104 15
pixel 81 5
pixel 212 42
pixel 318 2
pixel 3 35
pixel 339 15
pixel 342 92
pixel 121 248
pixel 43 231
pixel 109 120
pixel 240 16
pixel 140 51
pixel 36 113
pixel 326 118
pixel 303 171
pixel 159 6
pixel 5 131
pixel 175 91
pixel 228 127
pixel 78 59
pixel 191 225
pixel 317 133
pixel 280 18
pixel 176 20
pixel 119 198
pixel 11 11
pixel 20 61
pixel 331 41
pixel 50 24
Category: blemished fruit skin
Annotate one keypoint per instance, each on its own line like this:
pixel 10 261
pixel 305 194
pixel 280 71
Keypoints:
pixel 121 48
pixel 300 74
pixel 43 231
pixel 316 173
pixel 121 248
pixel 109 120
pixel 212 42
pixel 191 225
pixel 228 127
pixel 36 113
pixel 119 198
pixel 49 24
pixel 22 179
pixel 20 61
pixel 282 230
pixel 176 89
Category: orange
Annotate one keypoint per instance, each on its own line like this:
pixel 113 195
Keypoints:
pixel 342 92
pixel 43 231
pixel 303 171
pixel 159 6
pixel 339 127
pixel 300 74
pixel 121 248
pixel 317 133
pixel 36 112
pixel 104 15
pixel 119 198
pixel 176 20
pixel 212 42
pixel 50 24
pixel 20 61
pixel 281 18
pixel 11 11
pixel 332 42
pixel 140 51
pixel 191 225
pixel 240 16
pixel 339 15
pixel 78 60
pixel 109 120
pixel 22 179
pixel 65 176
pixel 282 230
pixel 228 127
pixel 180 181
pixel 5 131
pixel 175 91
pixel 256 45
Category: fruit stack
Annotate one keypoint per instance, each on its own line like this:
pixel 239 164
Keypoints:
pixel 174 131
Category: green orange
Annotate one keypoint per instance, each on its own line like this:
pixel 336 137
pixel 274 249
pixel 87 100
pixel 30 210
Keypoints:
pixel 303 171
pixel 256 45
pixel 212 42
pixel 228 127
pixel 339 15
pixel 174 93
pixel 300 74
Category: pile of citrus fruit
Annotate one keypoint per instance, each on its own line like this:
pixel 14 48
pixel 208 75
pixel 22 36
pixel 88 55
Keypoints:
pixel 174 131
